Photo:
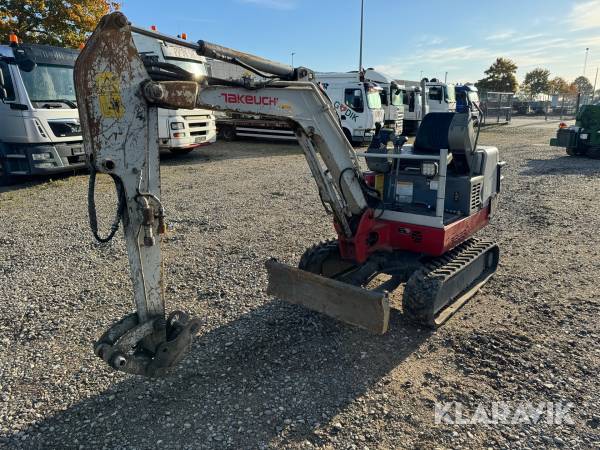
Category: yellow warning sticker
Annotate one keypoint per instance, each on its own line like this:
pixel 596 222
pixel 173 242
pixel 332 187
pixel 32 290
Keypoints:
pixel 109 94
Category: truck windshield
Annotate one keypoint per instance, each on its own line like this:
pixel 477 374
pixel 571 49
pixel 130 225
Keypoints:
pixel 473 96
pixel 373 98
pixel 194 67
pixel 449 94
pixel 46 83
pixel 397 97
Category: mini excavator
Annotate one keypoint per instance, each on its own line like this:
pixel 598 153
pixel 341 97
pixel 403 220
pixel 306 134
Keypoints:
pixel 403 214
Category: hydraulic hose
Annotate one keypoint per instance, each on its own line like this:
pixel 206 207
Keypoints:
pixel 92 207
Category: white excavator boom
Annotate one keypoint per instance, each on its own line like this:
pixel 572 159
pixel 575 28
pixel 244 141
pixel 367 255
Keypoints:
pixel 118 100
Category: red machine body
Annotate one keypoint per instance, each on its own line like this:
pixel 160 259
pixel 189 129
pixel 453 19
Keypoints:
pixel 375 235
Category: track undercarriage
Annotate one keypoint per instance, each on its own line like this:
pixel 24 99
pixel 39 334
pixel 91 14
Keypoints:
pixel 434 287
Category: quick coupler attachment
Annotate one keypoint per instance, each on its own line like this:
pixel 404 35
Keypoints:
pixel 150 348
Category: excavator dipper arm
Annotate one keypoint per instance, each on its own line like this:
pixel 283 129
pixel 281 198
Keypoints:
pixel 118 104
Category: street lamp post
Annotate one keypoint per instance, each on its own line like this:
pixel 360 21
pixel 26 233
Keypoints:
pixel 362 7
pixel 594 89
pixel 293 53
pixel 587 50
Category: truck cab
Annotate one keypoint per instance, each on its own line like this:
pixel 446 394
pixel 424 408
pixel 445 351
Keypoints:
pixel 391 99
pixel 413 108
pixel 39 122
pixel 181 130
pixel 441 97
pixel 357 103
pixel 467 99
pixel 422 98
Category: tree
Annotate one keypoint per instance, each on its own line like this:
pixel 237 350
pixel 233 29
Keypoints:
pixel 583 85
pixel 536 82
pixel 558 85
pixel 64 23
pixel 500 77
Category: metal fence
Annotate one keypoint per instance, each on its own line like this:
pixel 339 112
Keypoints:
pixel 555 106
pixel 567 104
pixel 497 106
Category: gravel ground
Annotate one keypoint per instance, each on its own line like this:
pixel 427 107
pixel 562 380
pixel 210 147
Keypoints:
pixel 266 374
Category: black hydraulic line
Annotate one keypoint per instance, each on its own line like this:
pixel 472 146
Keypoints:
pixel 92 207
pixel 160 71
pixel 219 52
pixel 252 69
pixel 366 189
pixel 478 125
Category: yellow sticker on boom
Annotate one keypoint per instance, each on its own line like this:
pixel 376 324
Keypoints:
pixel 109 94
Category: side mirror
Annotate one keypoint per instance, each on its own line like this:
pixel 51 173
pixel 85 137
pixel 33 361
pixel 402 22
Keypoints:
pixel 27 65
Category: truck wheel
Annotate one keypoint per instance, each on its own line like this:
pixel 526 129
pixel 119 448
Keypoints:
pixel 593 152
pixel 228 133
pixel 181 151
pixel 5 179
pixel 571 151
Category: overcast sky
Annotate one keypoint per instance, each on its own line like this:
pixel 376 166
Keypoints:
pixel 403 38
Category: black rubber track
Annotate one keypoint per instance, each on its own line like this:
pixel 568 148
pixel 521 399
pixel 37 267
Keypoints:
pixel 423 296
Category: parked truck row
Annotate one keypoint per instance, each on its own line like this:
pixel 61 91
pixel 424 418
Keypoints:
pixel 401 106
pixel 39 124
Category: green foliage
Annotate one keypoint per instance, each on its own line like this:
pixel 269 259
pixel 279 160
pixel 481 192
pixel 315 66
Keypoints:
pixel 64 23
pixel 558 85
pixel 583 85
pixel 500 77
pixel 536 82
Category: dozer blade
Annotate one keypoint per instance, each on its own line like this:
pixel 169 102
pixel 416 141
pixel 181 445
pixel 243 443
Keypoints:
pixel 444 284
pixel 350 304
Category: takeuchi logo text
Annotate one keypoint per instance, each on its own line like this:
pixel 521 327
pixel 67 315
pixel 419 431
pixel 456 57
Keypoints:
pixel 244 99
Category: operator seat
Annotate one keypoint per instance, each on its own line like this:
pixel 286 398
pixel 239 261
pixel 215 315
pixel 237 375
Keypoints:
pixel 447 130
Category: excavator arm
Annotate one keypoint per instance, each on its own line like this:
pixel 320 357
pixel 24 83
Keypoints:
pixel 118 101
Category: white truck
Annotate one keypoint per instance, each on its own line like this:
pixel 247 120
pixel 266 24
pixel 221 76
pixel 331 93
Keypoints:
pixel 391 99
pixel 433 94
pixel 181 130
pixel 39 121
pixel 357 103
